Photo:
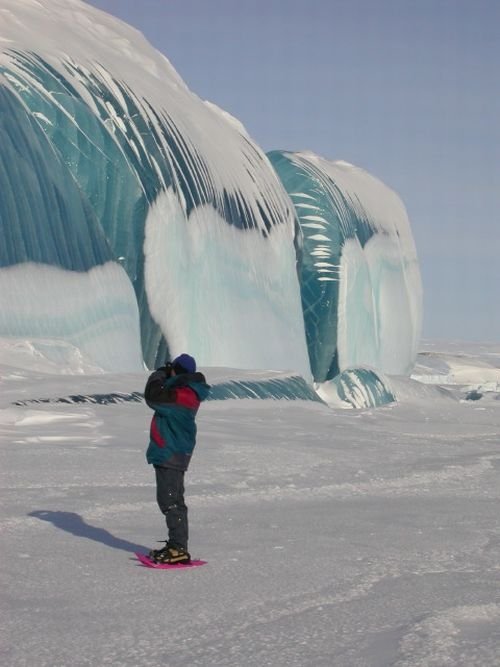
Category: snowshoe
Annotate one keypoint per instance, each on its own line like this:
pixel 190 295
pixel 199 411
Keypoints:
pixel 170 554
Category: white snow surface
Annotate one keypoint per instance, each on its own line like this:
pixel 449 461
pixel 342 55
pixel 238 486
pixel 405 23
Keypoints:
pixel 333 537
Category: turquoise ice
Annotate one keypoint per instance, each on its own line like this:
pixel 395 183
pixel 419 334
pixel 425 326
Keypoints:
pixel 359 275
pixel 139 221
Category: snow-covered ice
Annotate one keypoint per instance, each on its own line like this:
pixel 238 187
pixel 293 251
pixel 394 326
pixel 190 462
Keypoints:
pixel 162 217
pixel 141 221
pixel 353 538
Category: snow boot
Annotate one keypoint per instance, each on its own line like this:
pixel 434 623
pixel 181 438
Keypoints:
pixel 170 554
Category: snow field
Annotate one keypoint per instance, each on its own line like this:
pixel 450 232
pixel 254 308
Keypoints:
pixel 334 537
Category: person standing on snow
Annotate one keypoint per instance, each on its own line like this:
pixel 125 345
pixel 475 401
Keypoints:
pixel 174 392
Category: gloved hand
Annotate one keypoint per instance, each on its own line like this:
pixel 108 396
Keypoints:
pixel 166 368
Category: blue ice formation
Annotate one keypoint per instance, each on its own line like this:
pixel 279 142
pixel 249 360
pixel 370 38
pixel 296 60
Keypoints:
pixel 291 388
pixel 359 275
pixel 139 221
pixel 281 387
pixel 358 388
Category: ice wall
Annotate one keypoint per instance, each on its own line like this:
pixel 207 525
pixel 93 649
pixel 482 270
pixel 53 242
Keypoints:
pixel 109 162
pixel 139 221
pixel 359 275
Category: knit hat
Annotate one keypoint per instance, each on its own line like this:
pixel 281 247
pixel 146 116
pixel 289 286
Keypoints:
pixel 184 364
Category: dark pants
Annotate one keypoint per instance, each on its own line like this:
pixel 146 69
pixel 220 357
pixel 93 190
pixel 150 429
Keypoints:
pixel 170 497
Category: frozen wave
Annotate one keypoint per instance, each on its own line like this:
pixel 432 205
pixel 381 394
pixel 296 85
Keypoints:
pixel 359 275
pixel 108 160
pixel 103 141
pixel 357 388
pixel 225 384
pixel 224 300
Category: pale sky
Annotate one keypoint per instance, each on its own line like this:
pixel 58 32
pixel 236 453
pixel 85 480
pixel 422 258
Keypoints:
pixel 407 89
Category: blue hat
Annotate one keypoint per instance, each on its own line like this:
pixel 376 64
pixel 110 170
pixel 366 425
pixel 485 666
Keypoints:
pixel 184 364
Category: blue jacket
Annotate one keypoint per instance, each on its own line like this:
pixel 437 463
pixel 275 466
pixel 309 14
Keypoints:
pixel 175 401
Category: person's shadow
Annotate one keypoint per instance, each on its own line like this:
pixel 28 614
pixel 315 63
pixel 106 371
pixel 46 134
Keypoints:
pixel 74 524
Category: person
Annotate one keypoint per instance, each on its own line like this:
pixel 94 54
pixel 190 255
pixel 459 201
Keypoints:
pixel 174 392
